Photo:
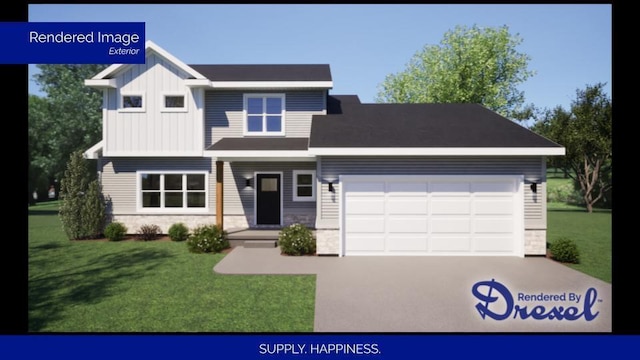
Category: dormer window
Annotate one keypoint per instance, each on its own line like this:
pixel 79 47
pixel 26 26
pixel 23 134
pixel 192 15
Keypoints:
pixel 264 114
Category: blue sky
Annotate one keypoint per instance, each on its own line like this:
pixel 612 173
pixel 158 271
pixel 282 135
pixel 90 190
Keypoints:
pixel 569 45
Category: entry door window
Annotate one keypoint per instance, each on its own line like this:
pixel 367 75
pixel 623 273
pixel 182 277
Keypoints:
pixel 269 184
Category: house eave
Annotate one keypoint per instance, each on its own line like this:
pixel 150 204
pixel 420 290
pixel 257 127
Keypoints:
pixel 262 155
pixel 94 151
pixel 101 83
pixel 436 151
pixel 197 83
pixel 173 154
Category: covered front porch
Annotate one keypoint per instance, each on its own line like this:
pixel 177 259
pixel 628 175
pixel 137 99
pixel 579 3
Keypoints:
pixel 264 183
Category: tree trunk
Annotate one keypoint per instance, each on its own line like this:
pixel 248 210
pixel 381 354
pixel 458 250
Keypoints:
pixel 589 207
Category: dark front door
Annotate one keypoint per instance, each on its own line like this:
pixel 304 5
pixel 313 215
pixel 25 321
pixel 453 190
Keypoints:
pixel 268 199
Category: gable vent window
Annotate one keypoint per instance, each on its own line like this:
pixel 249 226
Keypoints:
pixel 132 102
pixel 264 114
pixel 174 102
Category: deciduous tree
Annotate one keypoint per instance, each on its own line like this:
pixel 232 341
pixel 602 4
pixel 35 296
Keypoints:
pixel 67 119
pixel 585 132
pixel 470 65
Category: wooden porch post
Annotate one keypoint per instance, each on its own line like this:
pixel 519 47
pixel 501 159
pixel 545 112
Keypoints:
pixel 219 194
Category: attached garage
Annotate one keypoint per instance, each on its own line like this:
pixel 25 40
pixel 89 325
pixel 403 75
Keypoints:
pixel 428 180
pixel 432 215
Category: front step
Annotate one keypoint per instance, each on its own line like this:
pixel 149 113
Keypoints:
pixel 256 238
pixel 260 243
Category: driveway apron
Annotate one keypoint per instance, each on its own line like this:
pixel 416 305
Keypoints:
pixel 435 293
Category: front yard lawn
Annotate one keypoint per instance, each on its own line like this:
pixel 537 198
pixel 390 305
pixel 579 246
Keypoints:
pixel 155 286
pixel 591 232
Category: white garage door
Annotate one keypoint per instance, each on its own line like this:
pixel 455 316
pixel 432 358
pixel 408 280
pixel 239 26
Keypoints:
pixel 432 215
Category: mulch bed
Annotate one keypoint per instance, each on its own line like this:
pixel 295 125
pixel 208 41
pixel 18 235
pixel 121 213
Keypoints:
pixel 129 238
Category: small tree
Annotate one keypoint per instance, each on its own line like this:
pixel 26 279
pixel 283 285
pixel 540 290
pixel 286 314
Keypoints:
pixel 82 206
pixel 93 211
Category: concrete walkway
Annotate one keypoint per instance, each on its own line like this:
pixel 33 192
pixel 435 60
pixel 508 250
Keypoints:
pixel 431 294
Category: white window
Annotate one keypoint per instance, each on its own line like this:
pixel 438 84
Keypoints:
pixel 132 102
pixel 174 102
pixel 168 191
pixel 304 185
pixel 264 114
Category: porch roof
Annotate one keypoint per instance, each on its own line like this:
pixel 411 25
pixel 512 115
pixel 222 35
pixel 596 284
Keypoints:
pixel 260 144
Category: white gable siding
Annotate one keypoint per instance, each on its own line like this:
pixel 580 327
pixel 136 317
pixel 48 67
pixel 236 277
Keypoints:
pixel 152 132
pixel 224 113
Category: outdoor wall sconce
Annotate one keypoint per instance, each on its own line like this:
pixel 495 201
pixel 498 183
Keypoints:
pixel 534 187
pixel 247 182
pixel 331 189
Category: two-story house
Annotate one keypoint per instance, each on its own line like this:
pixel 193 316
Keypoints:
pixel 253 146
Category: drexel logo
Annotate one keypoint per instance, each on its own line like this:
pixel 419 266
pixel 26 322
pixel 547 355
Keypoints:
pixel 496 302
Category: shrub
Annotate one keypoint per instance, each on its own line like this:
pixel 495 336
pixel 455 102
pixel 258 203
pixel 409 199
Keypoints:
pixel 561 193
pixel 565 250
pixel 207 238
pixel 296 239
pixel 115 231
pixel 178 232
pixel 82 207
pixel 93 211
pixel 148 232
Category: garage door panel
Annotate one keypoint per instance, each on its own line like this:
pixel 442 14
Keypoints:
pixel 432 215
pixel 494 226
pixel 450 225
pixel 450 244
pixel 407 188
pixel 404 224
pixel 494 244
pixel 493 188
pixel 407 243
pixel 357 206
pixel 493 206
pixel 402 206
pixel 450 206
pixel 450 189
pixel 365 243
pixel 364 188
pixel 364 224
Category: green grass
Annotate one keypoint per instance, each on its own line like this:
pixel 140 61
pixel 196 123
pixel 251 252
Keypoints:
pixel 591 232
pixel 131 286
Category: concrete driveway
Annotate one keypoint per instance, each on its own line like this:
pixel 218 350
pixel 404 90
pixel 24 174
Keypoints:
pixel 434 294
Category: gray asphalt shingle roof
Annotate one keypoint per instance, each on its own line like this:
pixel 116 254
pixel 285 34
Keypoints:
pixel 352 124
pixel 267 72
pixel 259 143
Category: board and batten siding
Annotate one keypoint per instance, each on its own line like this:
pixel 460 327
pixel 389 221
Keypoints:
pixel 224 113
pixel 152 132
pixel 118 178
pixel 532 167
pixel 238 198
